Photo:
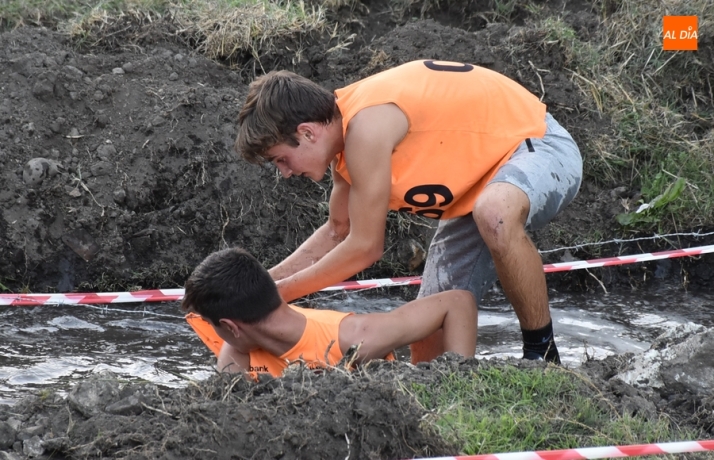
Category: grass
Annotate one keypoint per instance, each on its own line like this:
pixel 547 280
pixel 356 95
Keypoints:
pixel 220 29
pixel 505 409
pixel 53 13
pixel 659 104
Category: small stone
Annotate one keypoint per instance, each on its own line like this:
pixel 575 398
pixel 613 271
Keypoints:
pixel 106 152
pixel 174 76
pixel 102 120
pixel 128 67
pixel 10 455
pixel 119 195
pixel 74 73
pixel 33 447
pixel 118 71
pixel 101 168
pixel 127 406
pixel 58 125
pixel 158 120
pixel 92 395
pixel 98 95
pixel 38 169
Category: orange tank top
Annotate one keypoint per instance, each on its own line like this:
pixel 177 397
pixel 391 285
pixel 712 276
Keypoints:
pixel 465 122
pixel 321 332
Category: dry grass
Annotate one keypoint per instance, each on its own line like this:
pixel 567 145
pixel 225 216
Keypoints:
pixel 660 103
pixel 220 29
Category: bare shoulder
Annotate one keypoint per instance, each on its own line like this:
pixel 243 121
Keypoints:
pixel 386 120
pixel 231 360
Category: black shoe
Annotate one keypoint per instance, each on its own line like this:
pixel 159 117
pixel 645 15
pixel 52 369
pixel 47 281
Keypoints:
pixel 549 354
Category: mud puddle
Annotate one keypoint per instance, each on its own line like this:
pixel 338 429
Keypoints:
pixel 56 346
pixel 43 347
pixel 594 325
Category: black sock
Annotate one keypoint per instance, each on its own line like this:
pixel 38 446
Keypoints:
pixel 540 344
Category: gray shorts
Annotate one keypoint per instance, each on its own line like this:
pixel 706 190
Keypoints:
pixel 548 170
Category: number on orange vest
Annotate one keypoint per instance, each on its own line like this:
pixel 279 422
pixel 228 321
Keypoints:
pixel 432 192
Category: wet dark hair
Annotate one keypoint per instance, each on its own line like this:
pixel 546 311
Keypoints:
pixel 231 284
pixel 276 104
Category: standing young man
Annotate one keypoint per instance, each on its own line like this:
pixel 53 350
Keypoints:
pixel 444 140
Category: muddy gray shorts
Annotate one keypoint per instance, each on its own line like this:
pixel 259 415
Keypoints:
pixel 548 170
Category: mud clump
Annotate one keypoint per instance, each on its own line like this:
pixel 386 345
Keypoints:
pixel 363 414
pixel 338 414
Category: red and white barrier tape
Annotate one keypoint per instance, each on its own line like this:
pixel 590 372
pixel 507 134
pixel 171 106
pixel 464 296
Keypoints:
pixel 595 452
pixel 167 295
pixel 622 260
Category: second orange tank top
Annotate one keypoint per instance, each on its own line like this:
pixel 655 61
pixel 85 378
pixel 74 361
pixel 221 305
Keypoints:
pixel 321 334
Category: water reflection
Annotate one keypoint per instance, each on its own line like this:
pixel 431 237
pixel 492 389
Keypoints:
pixel 55 346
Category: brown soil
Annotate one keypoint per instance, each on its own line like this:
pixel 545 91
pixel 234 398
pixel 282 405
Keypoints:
pixel 337 414
pixel 135 179
pixel 117 172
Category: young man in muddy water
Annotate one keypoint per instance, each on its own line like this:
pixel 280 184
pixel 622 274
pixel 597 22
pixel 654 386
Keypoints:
pixel 240 315
pixel 449 141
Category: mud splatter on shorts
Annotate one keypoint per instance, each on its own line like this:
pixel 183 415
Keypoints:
pixel 548 170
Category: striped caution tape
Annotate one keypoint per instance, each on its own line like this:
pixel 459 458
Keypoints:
pixel 595 452
pixel 168 295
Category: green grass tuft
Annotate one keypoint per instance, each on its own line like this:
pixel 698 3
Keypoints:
pixel 510 410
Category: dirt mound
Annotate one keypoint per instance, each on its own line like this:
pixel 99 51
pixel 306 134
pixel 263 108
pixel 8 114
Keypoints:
pixel 302 415
pixel 118 169
pixel 336 414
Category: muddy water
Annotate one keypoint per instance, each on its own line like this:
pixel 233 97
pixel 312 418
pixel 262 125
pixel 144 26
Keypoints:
pixel 53 347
